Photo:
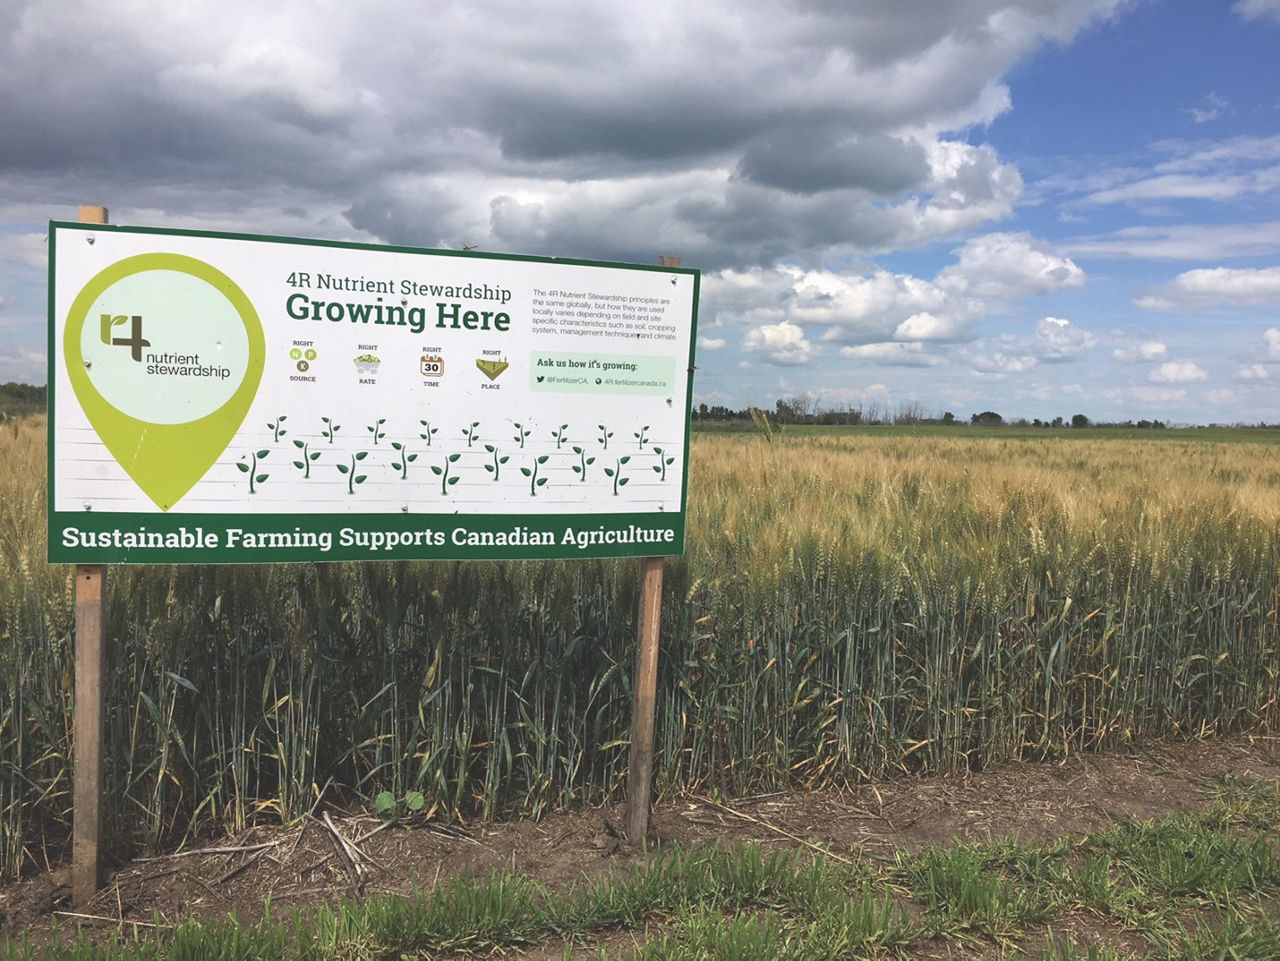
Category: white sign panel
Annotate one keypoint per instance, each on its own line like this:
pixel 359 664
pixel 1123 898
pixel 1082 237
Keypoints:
pixel 224 398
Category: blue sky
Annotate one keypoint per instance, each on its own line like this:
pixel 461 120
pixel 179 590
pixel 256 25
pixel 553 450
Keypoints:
pixel 1041 208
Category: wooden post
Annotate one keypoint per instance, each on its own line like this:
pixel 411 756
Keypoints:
pixel 644 710
pixel 86 816
pixel 86 743
pixel 640 766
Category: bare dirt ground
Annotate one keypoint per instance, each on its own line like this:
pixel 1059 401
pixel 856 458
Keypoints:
pixel 301 865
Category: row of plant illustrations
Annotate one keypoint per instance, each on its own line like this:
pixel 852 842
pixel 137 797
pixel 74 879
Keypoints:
pixel 312 452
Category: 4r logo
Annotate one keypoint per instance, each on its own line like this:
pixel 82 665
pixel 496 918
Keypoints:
pixel 134 341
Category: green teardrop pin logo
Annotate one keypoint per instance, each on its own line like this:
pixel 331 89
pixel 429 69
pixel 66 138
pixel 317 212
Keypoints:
pixel 165 354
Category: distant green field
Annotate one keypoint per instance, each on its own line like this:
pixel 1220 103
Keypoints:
pixel 1219 435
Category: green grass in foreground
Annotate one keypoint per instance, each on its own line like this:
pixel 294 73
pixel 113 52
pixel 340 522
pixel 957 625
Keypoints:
pixel 1189 886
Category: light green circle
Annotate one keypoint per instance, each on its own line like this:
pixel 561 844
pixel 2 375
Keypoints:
pixel 296 353
pixel 196 352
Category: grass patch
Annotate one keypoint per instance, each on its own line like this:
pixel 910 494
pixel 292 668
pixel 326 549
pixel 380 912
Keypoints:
pixel 1185 887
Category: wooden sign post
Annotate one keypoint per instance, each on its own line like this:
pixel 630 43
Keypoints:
pixel 640 766
pixel 644 709
pixel 86 745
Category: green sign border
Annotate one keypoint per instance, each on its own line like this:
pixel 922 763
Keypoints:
pixel 301 525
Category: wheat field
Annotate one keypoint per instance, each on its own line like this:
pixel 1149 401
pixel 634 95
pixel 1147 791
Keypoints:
pixel 852 605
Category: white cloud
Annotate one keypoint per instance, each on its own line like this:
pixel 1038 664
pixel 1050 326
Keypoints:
pixel 1190 187
pixel 1146 396
pixel 853 308
pixel 1057 339
pixel 858 307
pixel 1143 350
pixel 711 343
pixel 1210 108
pixel 1054 341
pixel 1216 286
pixel 782 344
pixel 927 326
pixel 899 354
pixel 880 307
pixel 1001 362
pixel 1252 372
pixel 15 363
pixel 1255 9
pixel 1271 337
pixel 1009 266
pixel 1177 372
pixel 29 249
pixel 1218 155
pixel 1182 242
pixel 1223 171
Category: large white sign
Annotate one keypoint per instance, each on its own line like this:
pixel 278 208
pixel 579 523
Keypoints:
pixel 226 398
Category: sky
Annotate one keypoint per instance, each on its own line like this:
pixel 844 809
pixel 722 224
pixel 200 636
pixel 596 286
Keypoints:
pixel 1036 207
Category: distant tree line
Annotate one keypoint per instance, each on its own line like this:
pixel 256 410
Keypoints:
pixel 17 400
pixel 805 410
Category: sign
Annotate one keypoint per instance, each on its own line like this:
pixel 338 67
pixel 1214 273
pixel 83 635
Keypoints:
pixel 217 398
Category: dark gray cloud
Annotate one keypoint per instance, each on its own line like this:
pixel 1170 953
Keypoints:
pixel 808 160
pixel 331 103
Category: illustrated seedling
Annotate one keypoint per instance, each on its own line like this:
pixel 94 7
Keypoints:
pixel 471 433
pixel 605 434
pixel 251 469
pixel 498 460
pixel 376 429
pixel 584 462
pixel 308 455
pixel 616 473
pixel 350 471
pixel 532 473
pixel 521 433
pixel 277 429
pixel 330 428
pixel 663 463
pixel 427 431
pixel 406 459
pixel 561 435
pixel 642 435
pixel 446 481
